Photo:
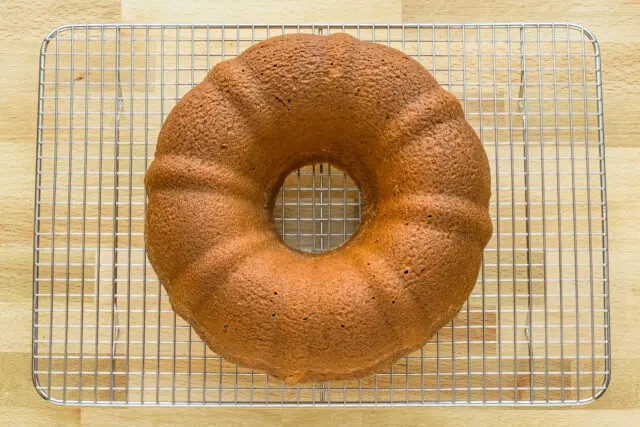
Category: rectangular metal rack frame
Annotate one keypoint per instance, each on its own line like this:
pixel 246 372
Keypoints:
pixel 534 331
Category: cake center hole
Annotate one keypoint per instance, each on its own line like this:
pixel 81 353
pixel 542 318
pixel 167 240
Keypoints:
pixel 318 208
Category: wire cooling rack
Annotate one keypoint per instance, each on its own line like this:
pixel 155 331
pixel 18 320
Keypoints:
pixel 534 331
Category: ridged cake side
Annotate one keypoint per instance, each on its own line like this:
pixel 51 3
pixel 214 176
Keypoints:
pixel 221 157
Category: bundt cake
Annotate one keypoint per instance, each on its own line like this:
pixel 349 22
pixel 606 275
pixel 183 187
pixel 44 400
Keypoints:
pixel 222 155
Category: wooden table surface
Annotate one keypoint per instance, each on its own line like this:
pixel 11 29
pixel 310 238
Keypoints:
pixel 616 23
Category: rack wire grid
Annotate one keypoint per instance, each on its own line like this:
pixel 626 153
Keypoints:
pixel 535 329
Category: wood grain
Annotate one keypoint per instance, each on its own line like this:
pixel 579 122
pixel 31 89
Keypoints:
pixel 22 27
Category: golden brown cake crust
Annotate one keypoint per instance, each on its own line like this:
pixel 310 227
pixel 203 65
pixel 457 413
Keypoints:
pixel 222 155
